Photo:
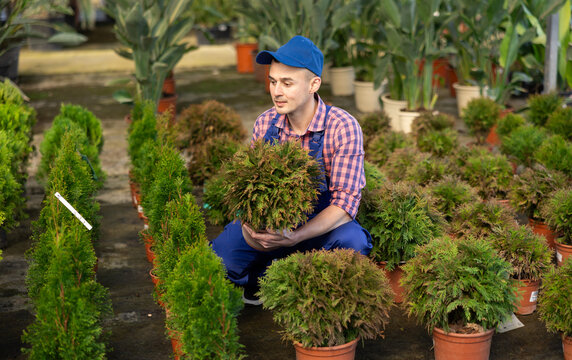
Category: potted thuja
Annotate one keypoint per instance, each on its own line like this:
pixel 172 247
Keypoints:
pixel 461 290
pixel 326 301
pixel 557 210
pixel 271 187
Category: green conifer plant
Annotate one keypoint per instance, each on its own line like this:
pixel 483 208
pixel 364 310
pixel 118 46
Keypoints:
pixel 12 200
pixel 90 124
pixel 210 155
pixel 480 115
pixel 560 123
pixel 555 299
pixel 381 146
pixel 522 144
pixel 541 106
pixel 556 153
pixel 480 219
pixel 373 124
pixel 450 193
pixel 508 123
pixel 490 174
pixel 557 210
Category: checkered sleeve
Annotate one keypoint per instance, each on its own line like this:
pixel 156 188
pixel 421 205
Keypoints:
pixel 347 176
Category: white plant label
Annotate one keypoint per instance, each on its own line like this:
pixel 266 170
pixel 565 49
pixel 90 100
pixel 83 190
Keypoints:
pixel 533 296
pixel 73 211
pixel 559 256
pixel 509 324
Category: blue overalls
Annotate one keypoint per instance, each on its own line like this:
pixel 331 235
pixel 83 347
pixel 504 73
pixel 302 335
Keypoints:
pixel 245 265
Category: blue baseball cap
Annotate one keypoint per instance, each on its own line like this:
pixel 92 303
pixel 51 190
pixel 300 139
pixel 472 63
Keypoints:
pixel 298 52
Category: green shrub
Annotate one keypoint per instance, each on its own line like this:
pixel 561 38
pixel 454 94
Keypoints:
pixel 509 122
pixel 557 210
pixel 17 121
pixel 481 219
pixel 272 186
pixel 438 142
pixel 523 143
pixel 12 200
pixel 374 177
pixel 343 296
pixel 197 123
pixel 182 226
pixel 560 122
pixel 451 192
pixel 170 179
pixel 398 162
pixel 541 106
pixel 69 304
pixel 382 145
pixel 144 165
pixel 457 282
pixel 143 128
pixel 373 124
pixel 429 121
pixel 399 216
pixel 490 174
pixel 209 156
pixel 532 187
pixel 555 299
pixel 52 142
pixel 203 305
pixel 90 124
pixel 480 115
pixel 527 252
pixel 426 169
pixel 10 93
pixel 556 153
pixel 216 210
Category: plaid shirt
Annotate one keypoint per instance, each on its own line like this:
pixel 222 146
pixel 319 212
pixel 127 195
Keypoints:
pixel 343 150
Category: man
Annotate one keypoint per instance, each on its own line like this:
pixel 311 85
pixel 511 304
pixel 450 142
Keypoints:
pixel 333 137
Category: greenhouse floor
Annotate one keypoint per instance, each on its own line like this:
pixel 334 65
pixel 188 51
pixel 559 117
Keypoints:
pixel 137 323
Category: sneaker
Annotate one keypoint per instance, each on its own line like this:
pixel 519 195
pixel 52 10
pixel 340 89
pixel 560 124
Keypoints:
pixel 249 297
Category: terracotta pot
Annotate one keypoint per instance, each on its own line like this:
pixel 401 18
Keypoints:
pixel 150 253
pixel 127 119
pixel 394 277
pixel 541 228
pixel 563 252
pixel 567 347
pixel 169 85
pixel 245 56
pixel 527 293
pixel 261 73
pixel 176 343
pixel 154 278
pixel 168 104
pixel 493 138
pixel 453 346
pixel 341 352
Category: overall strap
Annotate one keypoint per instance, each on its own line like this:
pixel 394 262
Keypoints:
pixel 273 133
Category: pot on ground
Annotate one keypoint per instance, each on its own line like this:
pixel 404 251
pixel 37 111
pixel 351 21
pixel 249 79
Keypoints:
pixel 528 289
pixel 341 352
pixel 567 347
pixel 563 252
pixel 168 104
pixel 244 57
pixel 406 120
pixel 394 277
pixel 541 228
pixel 449 346
pixel 465 93
pixel 366 97
pixel 392 109
pixel 342 80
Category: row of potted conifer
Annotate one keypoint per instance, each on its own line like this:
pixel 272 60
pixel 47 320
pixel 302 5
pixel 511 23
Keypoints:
pixel 68 303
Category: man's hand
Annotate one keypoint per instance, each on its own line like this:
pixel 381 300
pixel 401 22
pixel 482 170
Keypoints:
pixel 269 240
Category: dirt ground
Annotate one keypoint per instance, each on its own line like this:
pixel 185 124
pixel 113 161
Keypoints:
pixel 137 325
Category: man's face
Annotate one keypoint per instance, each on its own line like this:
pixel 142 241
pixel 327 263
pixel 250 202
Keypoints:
pixel 290 87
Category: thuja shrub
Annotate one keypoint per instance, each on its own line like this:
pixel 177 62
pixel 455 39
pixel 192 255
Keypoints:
pixel 203 305
pixel 90 124
pixel 556 153
pixel 12 200
pixel 398 162
pixel 457 282
pixel 508 123
pixel 216 210
pixel 199 122
pixel 144 165
pixel 451 192
pixel 382 145
pixel 490 174
pixel 429 121
pixel 438 142
pixel 373 124
pixel 541 106
pixel 426 169
pixel 399 216
pixel 208 157
pixel 343 295
pixel 69 305
pixel 9 93
pixel 560 122
pixel 52 142
pixel 557 210
pixel 527 252
pixel 182 226
pixel 143 128
pixel 480 115
pixel 272 186
pixel 555 299
pixel 18 120
pixel 170 179
pixel 374 177
pixel 532 187
pixel 522 144
pixel 481 219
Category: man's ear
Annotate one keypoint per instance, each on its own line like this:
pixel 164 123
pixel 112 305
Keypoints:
pixel 315 84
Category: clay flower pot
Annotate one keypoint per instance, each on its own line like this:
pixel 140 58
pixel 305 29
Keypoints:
pixel 541 228
pixel 394 277
pixel 462 346
pixel 528 289
pixel 563 252
pixel 341 352
pixel 567 347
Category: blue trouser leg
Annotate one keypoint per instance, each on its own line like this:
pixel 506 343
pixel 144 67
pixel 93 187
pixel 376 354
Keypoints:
pixel 245 265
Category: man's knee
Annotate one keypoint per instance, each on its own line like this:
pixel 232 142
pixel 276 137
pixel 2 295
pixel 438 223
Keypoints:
pixel 351 236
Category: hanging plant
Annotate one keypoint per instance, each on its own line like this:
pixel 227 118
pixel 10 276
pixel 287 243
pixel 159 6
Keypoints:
pixel 272 186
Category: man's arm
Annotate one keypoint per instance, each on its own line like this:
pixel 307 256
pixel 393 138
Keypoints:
pixel 325 221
